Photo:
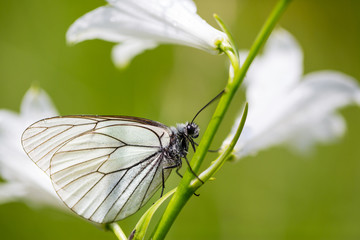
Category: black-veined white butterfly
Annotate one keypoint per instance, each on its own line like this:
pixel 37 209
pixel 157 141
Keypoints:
pixel 106 168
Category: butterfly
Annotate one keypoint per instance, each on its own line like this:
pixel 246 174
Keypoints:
pixel 105 168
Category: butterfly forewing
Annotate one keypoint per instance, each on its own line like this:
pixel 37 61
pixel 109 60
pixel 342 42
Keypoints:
pixel 103 168
pixel 42 139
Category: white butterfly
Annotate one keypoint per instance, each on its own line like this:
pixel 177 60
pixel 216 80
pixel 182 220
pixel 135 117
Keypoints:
pixel 106 168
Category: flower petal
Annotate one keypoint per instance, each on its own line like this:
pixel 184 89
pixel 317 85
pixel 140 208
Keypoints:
pixel 277 70
pixel 123 53
pixel 37 105
pixel 303 116
pixel 9 126
pixel 188 4
pixel 11 192
pixel 17 191
pixel 24 180
pixel 162 21
pixel 101 23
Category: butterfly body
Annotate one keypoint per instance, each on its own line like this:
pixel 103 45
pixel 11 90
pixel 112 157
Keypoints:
pixel 105 168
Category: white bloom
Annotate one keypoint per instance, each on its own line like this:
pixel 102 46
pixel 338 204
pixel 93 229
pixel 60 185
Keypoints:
pixel 288 108
pixel 24 181
pixel 139 25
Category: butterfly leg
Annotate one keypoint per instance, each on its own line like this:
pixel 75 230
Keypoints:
pixel 192 142
pixel 178 173
pixel 193 174
pixel 193 170
pixel 176 165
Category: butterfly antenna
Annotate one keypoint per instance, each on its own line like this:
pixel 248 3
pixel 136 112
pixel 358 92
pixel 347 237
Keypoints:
pixel 212 100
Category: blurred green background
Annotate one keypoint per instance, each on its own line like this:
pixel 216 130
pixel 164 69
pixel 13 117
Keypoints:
pixel 275 195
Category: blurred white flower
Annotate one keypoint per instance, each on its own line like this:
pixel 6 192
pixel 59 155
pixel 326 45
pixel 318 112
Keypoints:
pixel 143 24
pixel 286 108
pixel 24 181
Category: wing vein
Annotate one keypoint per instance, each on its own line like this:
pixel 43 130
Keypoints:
pixel 25 139
pixel 76 179
pixel 134 125
pixel 88 149
pixel 45 141
pixel 62 143
pixel 107 135
pixel 87 192
pixel 152 155
pixel 156 164
pixel 102 202
pixel 114 202
pixel 152 179
pixel 79 163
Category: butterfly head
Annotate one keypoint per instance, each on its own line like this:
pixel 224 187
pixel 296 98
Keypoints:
pixel 187 131
pixel 192 130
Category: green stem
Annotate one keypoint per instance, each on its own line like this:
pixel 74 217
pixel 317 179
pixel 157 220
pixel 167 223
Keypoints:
pixel 185 190
pixel 116 229
pixel 264 35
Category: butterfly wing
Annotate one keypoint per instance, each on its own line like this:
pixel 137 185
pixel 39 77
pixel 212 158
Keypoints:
pixel 103 168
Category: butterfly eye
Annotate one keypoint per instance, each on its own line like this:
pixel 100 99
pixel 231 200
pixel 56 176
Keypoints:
pixel 192 130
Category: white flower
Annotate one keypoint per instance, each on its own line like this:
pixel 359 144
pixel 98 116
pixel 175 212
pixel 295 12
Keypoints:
pixel 288 108
pixel 24 181
pixel 139 25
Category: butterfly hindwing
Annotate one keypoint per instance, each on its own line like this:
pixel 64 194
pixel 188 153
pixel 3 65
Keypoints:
pixel 103 168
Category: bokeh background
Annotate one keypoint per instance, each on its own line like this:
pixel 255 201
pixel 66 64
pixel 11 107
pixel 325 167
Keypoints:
pixel 275 195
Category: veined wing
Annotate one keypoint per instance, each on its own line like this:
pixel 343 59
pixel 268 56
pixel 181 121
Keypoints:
pixel 103 168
